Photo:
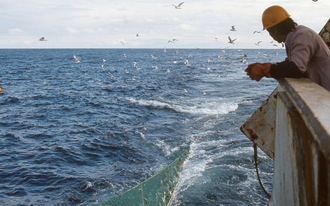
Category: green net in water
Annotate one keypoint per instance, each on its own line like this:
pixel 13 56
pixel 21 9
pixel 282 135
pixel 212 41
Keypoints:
pixel 155 191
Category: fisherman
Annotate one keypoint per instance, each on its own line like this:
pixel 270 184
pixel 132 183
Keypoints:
pixel 307 54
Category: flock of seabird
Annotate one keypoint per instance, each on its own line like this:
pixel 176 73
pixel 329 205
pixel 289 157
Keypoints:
pixel 228 60
pixel 231 41
pixel 179 6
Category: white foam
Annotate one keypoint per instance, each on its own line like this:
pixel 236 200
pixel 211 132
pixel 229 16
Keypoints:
pixel 200 159
pixel 196 107
pixel 193 168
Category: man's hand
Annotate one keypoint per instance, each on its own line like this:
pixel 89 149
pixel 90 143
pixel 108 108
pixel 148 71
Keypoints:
pixel 257 71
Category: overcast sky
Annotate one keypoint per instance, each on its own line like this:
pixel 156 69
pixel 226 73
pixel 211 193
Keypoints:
pixel 116 23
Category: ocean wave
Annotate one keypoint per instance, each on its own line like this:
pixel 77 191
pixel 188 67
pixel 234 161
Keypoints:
pixel 208 108
pixel 73 135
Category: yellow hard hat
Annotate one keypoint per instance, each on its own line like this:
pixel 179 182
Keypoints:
pixel 274 15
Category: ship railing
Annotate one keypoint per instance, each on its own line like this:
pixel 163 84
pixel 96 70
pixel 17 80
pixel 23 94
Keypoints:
pixel 293 127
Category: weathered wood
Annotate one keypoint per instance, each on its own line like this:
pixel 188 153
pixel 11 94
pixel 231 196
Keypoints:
pixel 260 127
pixel 302 141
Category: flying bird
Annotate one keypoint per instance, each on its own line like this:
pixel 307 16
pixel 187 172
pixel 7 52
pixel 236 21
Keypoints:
pixel 233 28
pixel 231 41
pixel 258 43
pixel 42 39
pixel 178 6
pixel 172 41
pixel 76 59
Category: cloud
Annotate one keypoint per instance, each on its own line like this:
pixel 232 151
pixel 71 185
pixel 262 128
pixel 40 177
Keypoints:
pixel 103 22
pixel 72 30
pixel 27 42
pixel 187 27
pixel 15 31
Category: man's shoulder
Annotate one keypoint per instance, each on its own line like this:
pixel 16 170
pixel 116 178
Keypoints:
pixel 301 29
pixel 301 32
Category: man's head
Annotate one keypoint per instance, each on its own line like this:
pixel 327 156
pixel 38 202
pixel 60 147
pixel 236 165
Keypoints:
pixel 278 23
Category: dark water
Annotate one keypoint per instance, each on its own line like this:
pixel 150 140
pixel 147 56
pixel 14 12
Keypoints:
pixel 80 133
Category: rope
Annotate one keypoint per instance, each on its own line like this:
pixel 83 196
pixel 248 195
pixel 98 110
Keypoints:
pixel 257 170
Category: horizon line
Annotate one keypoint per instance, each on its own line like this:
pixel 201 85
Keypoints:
pixel 148 48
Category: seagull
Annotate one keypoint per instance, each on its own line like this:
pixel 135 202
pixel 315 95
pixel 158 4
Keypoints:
pixel 88 185
pixel 153 57
pixel 76 59
pixel 172 41
pixel 42 39
pixel 231 41
pixel 137 35
pixel 258 43
pixel 233 28
pixel 257 32
pixel 178 6
pixel 186 62
pixel 243 60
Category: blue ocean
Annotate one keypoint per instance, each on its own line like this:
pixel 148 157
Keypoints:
pixel 78 132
